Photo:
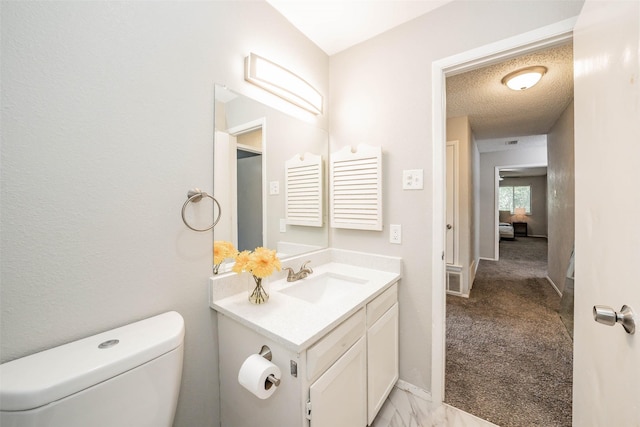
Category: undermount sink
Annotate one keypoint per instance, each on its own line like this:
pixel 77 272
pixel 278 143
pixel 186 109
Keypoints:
pixel 323 288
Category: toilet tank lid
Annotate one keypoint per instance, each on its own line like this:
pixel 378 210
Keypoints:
pixel 53 374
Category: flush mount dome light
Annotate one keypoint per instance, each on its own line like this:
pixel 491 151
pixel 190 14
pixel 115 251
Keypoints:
pixel 524 78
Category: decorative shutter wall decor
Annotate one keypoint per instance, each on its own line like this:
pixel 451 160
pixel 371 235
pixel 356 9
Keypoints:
pixel 304 190
pixel 356 188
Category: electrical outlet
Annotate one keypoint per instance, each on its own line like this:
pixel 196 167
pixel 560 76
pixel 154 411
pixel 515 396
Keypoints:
pixel 274 188
pixel 395 233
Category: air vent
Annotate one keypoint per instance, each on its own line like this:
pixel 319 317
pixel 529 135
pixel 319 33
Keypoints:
pixel 513 142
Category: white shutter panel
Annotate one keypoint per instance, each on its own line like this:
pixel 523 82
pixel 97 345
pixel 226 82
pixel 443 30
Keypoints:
pixel 356 188
pixel 304 190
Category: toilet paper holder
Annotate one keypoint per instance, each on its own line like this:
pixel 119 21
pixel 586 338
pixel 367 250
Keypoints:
pixel 265 352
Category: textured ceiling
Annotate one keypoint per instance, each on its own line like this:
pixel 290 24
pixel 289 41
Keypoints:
pixel 496 111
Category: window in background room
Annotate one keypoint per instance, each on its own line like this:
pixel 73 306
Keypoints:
pixel 512 197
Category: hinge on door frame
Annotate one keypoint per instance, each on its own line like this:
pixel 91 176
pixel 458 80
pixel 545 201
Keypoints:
pixel 308 410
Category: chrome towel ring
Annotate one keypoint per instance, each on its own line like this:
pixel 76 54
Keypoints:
pixel 195 195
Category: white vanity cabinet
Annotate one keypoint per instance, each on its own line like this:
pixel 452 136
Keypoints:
pixel 338 358
pixel 352 390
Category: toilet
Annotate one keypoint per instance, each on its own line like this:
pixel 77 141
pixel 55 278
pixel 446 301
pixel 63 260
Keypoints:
pixel 125 377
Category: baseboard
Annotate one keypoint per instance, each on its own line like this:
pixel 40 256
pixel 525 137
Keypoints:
pixel 538 235
pixel 414 390
pixel 553 285
pixel 459 294
pixel 487 259
pixel 473 268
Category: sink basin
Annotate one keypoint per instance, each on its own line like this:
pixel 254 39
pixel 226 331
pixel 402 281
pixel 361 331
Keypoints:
pixel 324 288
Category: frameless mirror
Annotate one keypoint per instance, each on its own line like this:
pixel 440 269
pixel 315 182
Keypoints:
pixel 252 143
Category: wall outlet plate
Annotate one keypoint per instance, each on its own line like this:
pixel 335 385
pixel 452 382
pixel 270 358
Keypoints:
pixel 274 188
pixel 413 179
pixel 283 225
pixel 395 233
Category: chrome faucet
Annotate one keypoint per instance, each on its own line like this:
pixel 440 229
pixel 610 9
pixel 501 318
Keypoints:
pixel 304 272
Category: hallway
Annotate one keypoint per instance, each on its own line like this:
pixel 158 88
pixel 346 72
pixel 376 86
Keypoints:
pixel 509 356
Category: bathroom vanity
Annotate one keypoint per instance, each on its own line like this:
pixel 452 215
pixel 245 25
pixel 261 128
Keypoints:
pixel 334 336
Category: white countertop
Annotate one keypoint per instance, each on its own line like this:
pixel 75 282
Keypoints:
pixel 296 323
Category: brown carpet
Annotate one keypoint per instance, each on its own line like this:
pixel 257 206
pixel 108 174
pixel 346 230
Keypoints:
pixel 509 357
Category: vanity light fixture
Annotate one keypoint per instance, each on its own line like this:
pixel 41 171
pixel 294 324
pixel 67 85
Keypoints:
pixel 282 82
pixel 524 78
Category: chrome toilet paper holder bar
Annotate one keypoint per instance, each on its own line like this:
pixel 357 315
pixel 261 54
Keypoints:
pixel 265 352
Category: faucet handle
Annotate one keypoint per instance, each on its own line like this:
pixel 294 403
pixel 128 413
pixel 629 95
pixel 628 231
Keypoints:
pixel 305 266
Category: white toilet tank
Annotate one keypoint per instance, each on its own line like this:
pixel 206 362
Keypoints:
pixel 126 377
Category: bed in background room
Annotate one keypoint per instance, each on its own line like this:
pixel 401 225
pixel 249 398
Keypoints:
pixel 506 230
pixel 504 226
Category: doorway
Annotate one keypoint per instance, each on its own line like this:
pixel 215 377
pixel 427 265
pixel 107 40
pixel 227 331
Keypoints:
pixel 249 209
pixel 239 183
pixel 490 54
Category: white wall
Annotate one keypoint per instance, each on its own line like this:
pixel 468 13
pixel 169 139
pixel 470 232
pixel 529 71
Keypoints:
pixel 488 163
pixel 381 95
pixel 561 196
pixel 107 121
pixel 475 234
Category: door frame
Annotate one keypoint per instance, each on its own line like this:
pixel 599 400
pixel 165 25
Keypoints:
pixel 456 212
pixel 492 53
pixel 496 208
pixel 250 126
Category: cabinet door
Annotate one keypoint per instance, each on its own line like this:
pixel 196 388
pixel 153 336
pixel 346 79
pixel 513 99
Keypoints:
pixel 382 357
pixel 338 397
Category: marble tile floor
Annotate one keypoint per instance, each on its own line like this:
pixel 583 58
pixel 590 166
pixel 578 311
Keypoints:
pixel 405 409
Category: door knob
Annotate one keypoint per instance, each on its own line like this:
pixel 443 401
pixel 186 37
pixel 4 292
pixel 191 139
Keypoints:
pixel 449 226
pixel 608 316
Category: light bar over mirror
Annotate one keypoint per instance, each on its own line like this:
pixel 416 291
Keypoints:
pixel 282 82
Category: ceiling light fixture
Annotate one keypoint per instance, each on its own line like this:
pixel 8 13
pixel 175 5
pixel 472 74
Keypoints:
pixel 524 78
pixel 282 82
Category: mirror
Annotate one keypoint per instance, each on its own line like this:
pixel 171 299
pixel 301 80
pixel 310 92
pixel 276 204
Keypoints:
pixel 252 143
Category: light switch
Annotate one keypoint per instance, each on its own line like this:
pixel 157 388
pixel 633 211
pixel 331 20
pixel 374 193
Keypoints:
pixel 412 179
pixel 274 188
pixel 283 225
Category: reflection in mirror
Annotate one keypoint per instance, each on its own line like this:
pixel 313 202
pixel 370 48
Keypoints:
pixel 252 144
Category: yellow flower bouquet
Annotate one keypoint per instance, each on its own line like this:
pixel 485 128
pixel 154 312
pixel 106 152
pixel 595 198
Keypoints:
pixel 261 263
pixel 221 251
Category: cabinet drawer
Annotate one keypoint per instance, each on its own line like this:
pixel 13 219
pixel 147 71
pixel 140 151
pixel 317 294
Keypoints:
pixel 380 305
pixel 326 351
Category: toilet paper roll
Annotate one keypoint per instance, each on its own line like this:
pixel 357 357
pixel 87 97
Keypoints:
pixel 253 376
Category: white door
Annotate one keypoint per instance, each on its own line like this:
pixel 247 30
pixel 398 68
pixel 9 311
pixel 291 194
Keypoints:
pixel 382 360
pixel 339 397
pixel 607 155
pixel 452 196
